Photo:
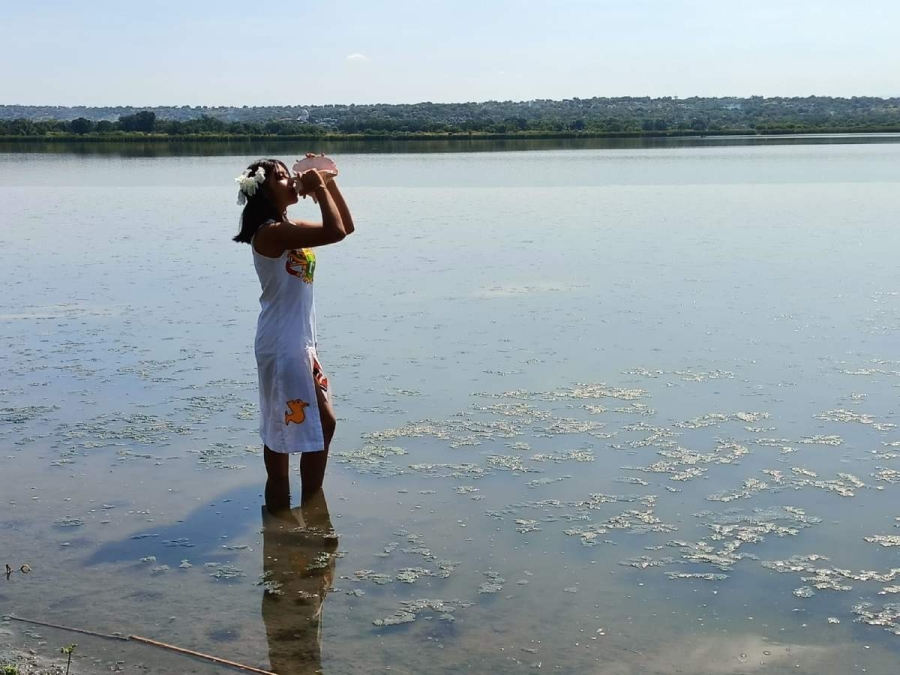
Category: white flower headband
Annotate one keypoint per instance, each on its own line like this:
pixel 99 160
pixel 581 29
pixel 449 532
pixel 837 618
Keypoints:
pixel 249 183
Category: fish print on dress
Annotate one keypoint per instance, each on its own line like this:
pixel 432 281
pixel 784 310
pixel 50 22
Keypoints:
pixel 296 412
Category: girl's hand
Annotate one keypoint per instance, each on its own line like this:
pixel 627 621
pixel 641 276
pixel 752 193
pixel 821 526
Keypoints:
pixel 309 181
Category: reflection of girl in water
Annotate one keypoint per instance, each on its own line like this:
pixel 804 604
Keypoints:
pixel 298 564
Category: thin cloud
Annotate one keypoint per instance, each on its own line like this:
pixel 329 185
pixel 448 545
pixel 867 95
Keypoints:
pixel 357 58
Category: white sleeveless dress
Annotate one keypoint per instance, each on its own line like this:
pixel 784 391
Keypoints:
pixel 286 359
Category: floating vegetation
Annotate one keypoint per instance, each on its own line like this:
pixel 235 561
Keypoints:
pixel 446 568
pixel 796 563
pixel 225 572
pixel 750 487
pixel 411 609
pixel 568 425
pixel 643 562
pixel 579 391
pixel 248 412
pixel 320 562
pixel 464 470
pixel 703 576
pixel 121 429
pixel 751 416
pixel 819 439
pixel 373 459
pixel 494 584
pixel 636 409
pixel 888 616
pixel 69 521
pixel 708 420
pixel 885 540
pixel 538 482
pixel 512 463
pixel 684 464
pixel 703 375
pixel 804 592
pixel 26 414
pixel 373 576
pixel 841 415
pixel 271 586
pixel 567 456
pixel 409 575
pixel 887 475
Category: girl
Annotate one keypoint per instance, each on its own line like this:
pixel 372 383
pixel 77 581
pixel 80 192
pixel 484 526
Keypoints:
pixel 295 407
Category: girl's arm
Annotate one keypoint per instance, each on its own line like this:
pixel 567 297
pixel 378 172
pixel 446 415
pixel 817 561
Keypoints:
pixel 277 238
pixel 343 209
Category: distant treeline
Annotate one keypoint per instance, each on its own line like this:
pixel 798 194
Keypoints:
pixel 570 117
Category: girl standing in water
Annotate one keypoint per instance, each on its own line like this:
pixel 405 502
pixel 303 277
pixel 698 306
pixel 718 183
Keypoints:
pixel 295 406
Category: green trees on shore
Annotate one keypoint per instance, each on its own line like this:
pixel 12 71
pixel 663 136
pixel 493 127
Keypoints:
pixel 596 116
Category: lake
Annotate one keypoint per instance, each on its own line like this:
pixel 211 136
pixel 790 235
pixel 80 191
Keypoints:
pixel 614 410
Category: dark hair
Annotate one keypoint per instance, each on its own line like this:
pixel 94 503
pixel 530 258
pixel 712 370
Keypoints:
pixel 259 207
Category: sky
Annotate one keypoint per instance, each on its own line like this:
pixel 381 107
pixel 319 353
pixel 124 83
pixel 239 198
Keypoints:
pixel 260 52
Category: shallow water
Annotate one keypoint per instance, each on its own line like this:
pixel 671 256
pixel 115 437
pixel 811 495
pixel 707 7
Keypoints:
pixel 588 401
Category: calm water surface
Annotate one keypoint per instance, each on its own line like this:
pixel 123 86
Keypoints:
pixel 614 411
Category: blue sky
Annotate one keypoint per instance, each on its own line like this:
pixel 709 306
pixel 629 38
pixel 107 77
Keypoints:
pixel 346 51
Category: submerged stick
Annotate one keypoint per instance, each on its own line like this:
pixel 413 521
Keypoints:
pixel 214 659
pixel 148 641
pixel 70 629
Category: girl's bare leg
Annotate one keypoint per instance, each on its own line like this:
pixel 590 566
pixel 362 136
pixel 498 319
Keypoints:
pixel 278 484
pixel 312 464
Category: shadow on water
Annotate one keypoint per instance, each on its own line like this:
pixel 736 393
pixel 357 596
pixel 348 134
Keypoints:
pixel 276 147
pixel 203 532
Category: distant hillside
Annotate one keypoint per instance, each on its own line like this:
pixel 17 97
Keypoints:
pixel 600 115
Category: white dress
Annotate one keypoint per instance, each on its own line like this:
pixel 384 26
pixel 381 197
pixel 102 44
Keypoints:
pixel 286 359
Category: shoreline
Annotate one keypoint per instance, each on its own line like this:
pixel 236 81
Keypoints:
pixel 141 137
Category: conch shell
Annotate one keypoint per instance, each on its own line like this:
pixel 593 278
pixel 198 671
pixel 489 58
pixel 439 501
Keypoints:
pixel 324 165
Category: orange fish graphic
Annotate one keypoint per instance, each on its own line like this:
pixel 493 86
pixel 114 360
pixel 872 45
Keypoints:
pixel 297 412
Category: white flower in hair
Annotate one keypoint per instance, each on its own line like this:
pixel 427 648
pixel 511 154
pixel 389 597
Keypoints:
pixel 249 183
